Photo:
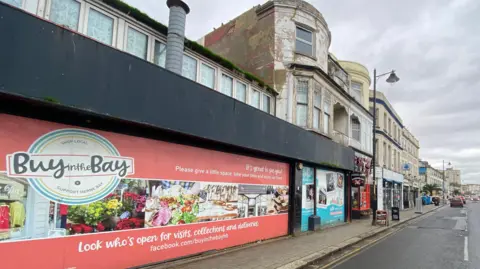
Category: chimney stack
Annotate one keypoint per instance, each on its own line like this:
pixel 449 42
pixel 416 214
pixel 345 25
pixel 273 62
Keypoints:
pixel 176 35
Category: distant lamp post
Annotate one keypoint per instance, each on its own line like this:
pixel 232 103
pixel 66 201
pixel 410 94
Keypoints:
pixel 392 78
pixel 443 187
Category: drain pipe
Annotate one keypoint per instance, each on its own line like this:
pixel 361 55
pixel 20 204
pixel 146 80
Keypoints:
pixel 176 35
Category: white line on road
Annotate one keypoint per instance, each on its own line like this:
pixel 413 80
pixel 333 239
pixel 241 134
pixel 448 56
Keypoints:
pixel 465 249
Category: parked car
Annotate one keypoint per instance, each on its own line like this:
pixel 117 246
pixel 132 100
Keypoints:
pixel 456 202
pixel 475 199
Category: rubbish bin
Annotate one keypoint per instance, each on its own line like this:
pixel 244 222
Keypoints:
pixel 313 223
pixel 395 213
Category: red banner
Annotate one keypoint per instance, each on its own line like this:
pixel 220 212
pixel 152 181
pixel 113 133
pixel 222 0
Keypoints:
pixel 78 198
pixel 127 249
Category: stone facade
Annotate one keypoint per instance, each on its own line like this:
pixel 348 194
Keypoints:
pixel 286 42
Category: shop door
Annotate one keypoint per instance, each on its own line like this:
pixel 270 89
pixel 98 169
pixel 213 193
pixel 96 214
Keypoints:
pixel 387 196
pixel 397 196
pixel 406 203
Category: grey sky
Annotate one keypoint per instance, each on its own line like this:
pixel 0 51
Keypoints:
pixel 433 44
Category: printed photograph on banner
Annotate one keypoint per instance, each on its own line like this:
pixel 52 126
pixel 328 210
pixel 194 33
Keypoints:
pixel 13 205
pixel 218 202
pixel 172 202
pixel 123 209
pixel 261 200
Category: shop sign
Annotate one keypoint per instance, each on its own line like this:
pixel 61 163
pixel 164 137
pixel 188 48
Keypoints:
pixel 71 166
pixel 362 164
pixel 358 180
pixel 174 201
pixel 8 190
pixel 378 172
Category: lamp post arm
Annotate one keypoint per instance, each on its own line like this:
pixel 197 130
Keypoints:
pixel 384 74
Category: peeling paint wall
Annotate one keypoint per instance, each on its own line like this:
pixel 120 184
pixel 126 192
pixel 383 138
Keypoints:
pixel 287 17
pixel 247 41
pixel 289 14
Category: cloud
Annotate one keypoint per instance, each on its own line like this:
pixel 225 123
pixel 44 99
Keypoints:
pixel 432 44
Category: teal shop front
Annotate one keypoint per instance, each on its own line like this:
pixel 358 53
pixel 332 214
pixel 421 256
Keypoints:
pixel 323 194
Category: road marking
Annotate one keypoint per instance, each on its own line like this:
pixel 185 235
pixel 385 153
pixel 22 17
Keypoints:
pixel 465 249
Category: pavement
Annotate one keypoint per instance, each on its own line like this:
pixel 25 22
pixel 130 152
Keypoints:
pixel 447 239
pixel 292 252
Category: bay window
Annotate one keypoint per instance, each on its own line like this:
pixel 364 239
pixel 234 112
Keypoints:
pixel 356 128
pixel 304 41
pixel 317 104
pixel 326 118
pixel 302 102
pixel 356 91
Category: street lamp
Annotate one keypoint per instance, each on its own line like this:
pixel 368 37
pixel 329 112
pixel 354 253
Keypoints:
pixel 392 78
pixel 443 187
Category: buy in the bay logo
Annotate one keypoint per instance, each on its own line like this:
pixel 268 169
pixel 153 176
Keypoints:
pixel 71 166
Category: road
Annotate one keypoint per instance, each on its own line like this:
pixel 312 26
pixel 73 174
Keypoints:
pixel 447 239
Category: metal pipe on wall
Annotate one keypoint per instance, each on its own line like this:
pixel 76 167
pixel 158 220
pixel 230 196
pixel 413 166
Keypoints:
pixel 176 35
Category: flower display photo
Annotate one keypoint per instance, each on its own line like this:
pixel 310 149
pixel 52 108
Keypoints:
pixel 121 210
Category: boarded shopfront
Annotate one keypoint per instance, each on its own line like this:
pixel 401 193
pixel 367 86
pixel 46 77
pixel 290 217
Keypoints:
pixel 130 198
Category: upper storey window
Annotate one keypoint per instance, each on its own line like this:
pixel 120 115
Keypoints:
pixel 304 41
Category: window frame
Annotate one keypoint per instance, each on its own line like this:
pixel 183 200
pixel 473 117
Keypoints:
pixel 81 15
pixel 125 40
pixel 359 89
pixel 326 113
pixel 317 92
pixel 352 119
pixel 259 98
pixel 233 85
pixel 264 95
pixel 196 66
pixel 161 41
pixel 22 5
pixel 215 76
pixel 307 80
pixel 312 43
pixel 89 6
pixel 236 82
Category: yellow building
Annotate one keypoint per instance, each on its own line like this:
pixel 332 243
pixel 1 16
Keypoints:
pixel 359 81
